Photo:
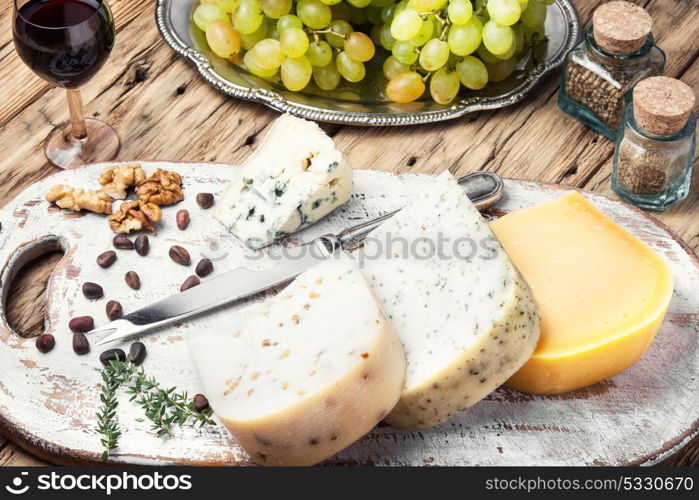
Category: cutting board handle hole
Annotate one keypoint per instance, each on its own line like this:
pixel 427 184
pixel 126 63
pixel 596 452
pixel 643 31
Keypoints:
pixel 24 291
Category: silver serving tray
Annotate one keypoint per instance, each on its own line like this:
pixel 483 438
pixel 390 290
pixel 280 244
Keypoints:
pixel 365 103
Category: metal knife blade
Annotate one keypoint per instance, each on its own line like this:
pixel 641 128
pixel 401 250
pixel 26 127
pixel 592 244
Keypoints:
pixel 483 188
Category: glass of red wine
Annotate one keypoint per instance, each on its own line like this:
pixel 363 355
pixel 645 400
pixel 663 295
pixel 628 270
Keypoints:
pixel 66 42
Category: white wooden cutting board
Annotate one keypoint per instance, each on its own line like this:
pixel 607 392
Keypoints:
pixel 48 401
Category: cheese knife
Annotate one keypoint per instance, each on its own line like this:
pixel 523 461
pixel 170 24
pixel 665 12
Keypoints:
pixel 483 189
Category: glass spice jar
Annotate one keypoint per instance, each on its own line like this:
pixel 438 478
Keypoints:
pixel 617 52
pixel 655 149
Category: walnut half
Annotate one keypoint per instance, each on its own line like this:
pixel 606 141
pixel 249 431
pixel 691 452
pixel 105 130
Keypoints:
pixel 115 180
pixel 77 199
pixel 134 216
pixel 162 187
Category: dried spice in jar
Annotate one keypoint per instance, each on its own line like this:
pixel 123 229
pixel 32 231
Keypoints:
pixel 617 52
pixel 655 148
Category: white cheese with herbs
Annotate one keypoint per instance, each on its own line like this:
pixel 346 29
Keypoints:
pixel 301 377
pixel 296 177
pixel 466 317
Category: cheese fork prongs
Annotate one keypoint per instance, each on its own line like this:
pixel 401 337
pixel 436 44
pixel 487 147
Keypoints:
pixel 483 189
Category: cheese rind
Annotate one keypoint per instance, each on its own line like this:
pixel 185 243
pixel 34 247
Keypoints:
pixel 292 180
pixel 603 293
pixel 464 314
pixel 301 377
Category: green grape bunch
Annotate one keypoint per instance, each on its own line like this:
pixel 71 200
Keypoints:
pixel 440 46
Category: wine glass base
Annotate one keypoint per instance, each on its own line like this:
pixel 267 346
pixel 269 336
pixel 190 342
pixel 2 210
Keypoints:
pixel 101 144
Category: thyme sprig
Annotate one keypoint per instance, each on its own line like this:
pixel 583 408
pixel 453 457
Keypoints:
pixel 165 408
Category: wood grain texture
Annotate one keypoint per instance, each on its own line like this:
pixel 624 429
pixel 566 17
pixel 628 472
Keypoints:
pixel 48 401
pixel 146 92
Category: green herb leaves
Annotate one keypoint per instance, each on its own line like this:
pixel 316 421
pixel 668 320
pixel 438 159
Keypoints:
pixel 165 408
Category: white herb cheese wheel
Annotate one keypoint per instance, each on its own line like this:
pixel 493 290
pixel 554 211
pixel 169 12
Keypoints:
pixel 309 372
pixel 293 179
pixel 466 317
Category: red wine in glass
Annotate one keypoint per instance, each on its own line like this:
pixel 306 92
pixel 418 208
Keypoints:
pixel 66 42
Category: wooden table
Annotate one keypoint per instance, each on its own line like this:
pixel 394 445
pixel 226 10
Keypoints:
pixel 162 110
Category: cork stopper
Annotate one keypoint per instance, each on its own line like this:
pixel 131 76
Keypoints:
pixel 621 27
pixel 661 105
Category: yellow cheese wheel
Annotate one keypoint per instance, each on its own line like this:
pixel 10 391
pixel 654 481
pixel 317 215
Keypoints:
pixel 602 292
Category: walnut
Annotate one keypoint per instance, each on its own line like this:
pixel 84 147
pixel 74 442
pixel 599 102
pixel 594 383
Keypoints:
pixel 161 187
pixel 134 216
pixel 77 199
pixel 115 180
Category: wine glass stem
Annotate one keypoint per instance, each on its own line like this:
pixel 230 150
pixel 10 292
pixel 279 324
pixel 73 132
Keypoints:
pixel 77 119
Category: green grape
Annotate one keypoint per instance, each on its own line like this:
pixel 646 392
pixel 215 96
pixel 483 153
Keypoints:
pixel 267 54
pixel 223 40
pixel 547 2
pixel 427 5
pixel 248 16
pixel 375 34
pixel 313 14
pixel 444 85
pixel 460 11
pixel 424 35
pixel 296 72
pixel 518 31
pixel 387 13
pixel 393 67
pixel 523 4
pixel 434 54
pixel 501 70
pixel 342 28
pixel 288 21
pixel 272 29
pixel 340 11
pixel 357 16
pixel 327 77
pixel 276 8
pixel 486 55
pixel 351 70
pixel 405 52
pixel 534 35
pixel 227 6
pixel 373 15
pixel 406 24
pixel 405 87
pixel 206 13
pixel 255 69
pixel 249 41
pixel 472 73
pixel 496 38
pixel 504 12
pixel 381 3
pixel 359 47
pixel 319 53
pixel 465 39
pixel 293 42
pixel 401 6
pixel 360 4
pixel 534 15
pixel 510 52
pixel 387 39
pixel 331 2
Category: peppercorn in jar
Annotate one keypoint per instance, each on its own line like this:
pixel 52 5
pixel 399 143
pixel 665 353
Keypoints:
pixel 617 52
pixel 655 149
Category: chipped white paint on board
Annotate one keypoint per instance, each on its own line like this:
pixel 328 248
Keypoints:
pixel 48 401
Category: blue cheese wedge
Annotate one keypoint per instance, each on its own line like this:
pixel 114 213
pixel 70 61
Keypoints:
pixel 304 375
pixel 296 177
pixel 466 317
